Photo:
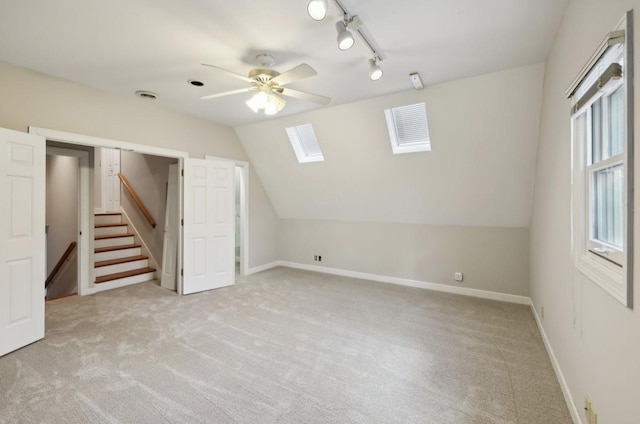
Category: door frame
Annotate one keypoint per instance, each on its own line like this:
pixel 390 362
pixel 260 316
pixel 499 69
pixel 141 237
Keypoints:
pixel 85 140
pixel 244 211
pixel 84 211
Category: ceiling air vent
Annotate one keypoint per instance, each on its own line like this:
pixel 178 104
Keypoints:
pixel 148 95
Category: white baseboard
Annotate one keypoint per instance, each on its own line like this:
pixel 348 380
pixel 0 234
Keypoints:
pixel 484 294
pixel 573 410
pixel 261 268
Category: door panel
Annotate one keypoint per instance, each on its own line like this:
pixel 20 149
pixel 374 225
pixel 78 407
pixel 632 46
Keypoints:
pixel 22 239
pixel 209 191
pixel 171 223
pixel 111 181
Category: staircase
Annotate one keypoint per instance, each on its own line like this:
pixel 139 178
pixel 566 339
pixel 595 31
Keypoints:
pixel 118 259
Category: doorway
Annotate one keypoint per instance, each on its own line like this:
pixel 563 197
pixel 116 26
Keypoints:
pixel 66 179
pixel 86 285
pixel 61 220
pixel 241 176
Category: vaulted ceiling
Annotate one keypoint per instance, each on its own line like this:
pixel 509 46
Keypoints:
pixel 122 46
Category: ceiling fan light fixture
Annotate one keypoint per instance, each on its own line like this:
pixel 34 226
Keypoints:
pixel 375 72
pixel 318 9
pixel 276 103
pixel 345 39
pixel 258 101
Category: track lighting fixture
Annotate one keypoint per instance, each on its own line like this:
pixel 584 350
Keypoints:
pixel 345 39
pixel 318 9
pixel 375 72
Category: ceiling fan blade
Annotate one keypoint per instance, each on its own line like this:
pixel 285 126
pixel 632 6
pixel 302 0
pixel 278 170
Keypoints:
pixel 227 93
pixel 306 96
pixel 301 71
pixel 232 74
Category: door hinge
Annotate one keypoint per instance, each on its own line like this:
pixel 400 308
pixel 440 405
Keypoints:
pixel 182 272
pixel 182 172
pixel 182 222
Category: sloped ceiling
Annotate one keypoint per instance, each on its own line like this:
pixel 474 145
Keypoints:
pixel 480 171
pixel 158 45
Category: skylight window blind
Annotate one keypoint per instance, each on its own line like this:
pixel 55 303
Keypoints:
pixel 408 128
pixel 305 144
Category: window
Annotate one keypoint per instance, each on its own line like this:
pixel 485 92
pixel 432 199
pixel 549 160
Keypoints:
pixel 305 144
pixel 602 149
pixel 408 128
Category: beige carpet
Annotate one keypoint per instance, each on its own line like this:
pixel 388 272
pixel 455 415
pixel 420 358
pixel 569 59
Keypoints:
pixel 283 346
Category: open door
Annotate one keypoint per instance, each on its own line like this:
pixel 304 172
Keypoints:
pixel 209 225
pixel 110 180
pixel 171 223
pixel 22 239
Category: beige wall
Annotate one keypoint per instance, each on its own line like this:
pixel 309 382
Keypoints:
pixel 595 339
pixel 148 176
pixel 491 258
pixel 480 171
pixel 464 206
pixel 263 224
pixel 62 219
pixel 34 99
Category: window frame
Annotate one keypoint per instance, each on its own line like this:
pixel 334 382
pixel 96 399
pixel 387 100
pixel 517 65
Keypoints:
pixel 400 148
pixel 601 248
pixel 607 265
pixel 298 145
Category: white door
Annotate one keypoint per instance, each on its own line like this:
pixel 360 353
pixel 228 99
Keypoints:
pixel 209 200
pixel 171 223
pixel 22 239
pixel 110 180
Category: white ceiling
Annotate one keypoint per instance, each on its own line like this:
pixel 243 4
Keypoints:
pixel 122 46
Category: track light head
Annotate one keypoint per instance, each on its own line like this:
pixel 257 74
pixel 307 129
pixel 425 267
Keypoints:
pixel 345 39
pixel 375 72
pixel 318 9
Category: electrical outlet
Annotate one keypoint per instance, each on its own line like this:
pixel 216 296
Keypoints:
pixel 315 257
pixel 457 276
pixel 319 258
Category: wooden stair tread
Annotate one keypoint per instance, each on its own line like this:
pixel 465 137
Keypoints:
pixel 120 261
pixel 112 248
pixel 108 213
pixel 108 236
pixel 109 225
pixel 118 275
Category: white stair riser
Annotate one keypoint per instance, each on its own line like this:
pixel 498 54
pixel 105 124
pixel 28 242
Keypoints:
pixel 141 278
pixel 110 242
pixel 104 231
pixel 126 266
pixel 117 254
pixel 107 219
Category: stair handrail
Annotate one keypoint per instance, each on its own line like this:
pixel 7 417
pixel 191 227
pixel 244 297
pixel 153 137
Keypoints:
pixel 137 200
pixel 65 257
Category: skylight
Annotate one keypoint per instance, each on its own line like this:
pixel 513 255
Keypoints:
pixel 305 144
pixel 408 128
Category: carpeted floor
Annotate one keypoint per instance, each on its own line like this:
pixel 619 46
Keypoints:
pixel 283 346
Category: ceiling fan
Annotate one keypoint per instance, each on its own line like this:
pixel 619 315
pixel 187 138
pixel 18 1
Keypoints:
pixel 269 85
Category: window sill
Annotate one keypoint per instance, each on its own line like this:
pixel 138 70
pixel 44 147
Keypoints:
pixel 610 278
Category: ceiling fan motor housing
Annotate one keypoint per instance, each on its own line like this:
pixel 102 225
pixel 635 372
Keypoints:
pixel 263 75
